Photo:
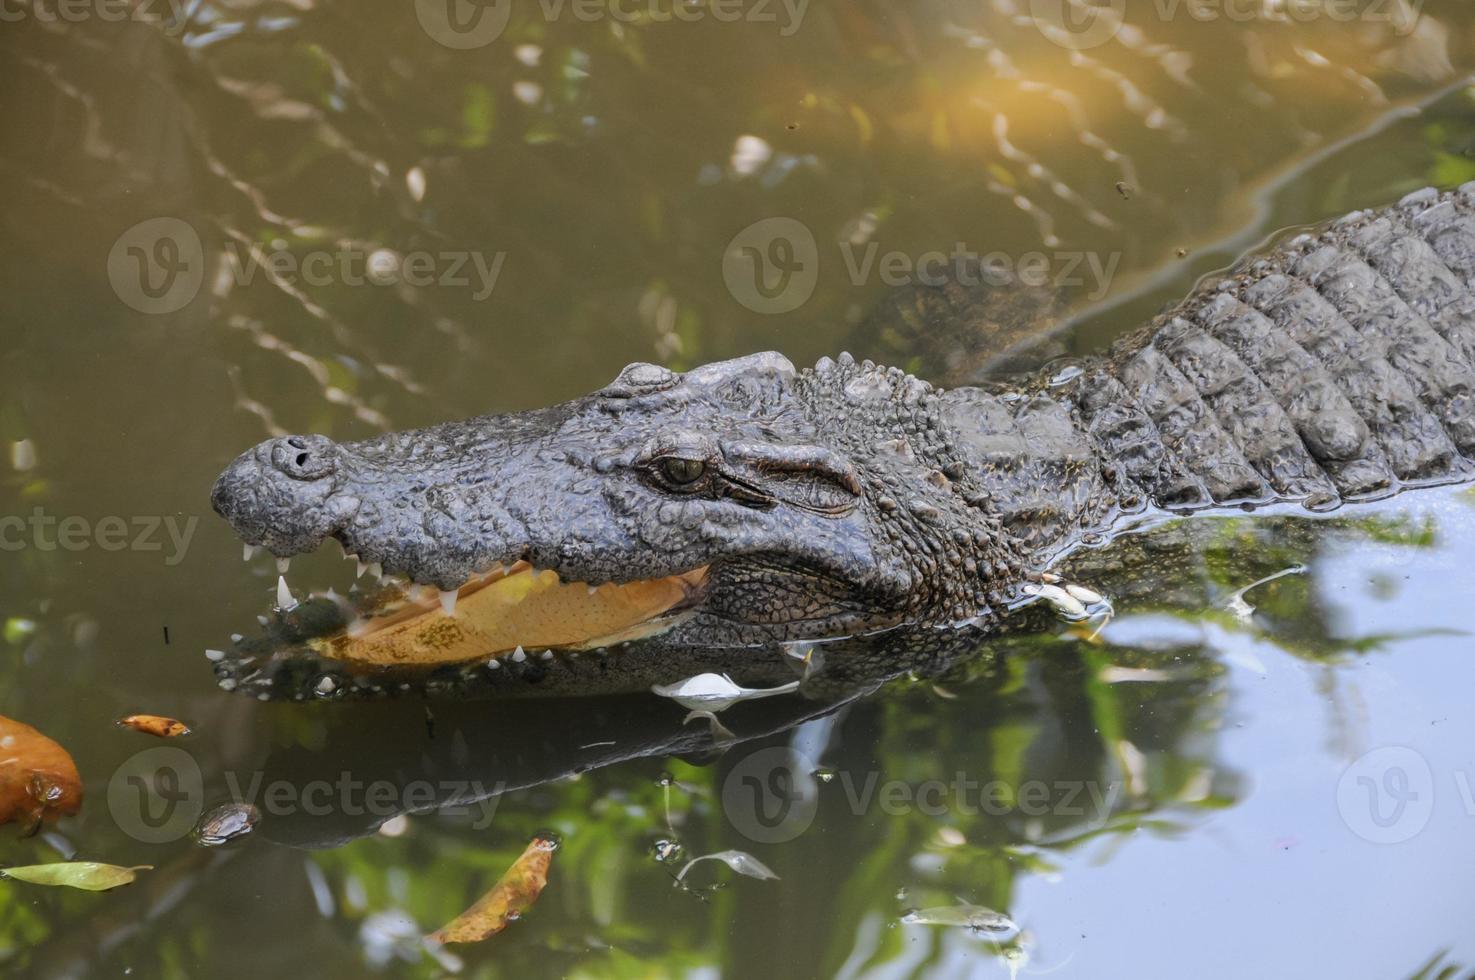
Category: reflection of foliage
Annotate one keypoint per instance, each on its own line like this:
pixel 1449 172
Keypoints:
pixel 1440 967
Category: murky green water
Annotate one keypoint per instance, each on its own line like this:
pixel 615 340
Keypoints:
pixel 398 219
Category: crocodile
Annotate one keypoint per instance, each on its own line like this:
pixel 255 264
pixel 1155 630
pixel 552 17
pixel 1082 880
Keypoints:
pixel 747 506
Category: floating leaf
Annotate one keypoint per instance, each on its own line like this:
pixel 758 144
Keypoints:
pixel 740 861
pixel 87 875
pixel 38 779
pixel 512 895
pixel 155 725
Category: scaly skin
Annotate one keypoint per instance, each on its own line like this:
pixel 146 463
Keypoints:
pixel 850 498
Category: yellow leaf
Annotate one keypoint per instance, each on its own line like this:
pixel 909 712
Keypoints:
pixel 512 895
pixel 155 725
pixel 87 875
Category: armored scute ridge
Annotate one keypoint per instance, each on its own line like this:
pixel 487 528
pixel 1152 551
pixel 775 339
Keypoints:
pixel 746 503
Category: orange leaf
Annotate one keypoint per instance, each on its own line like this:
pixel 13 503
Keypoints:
pixel 155 725
pixel 512 895
pixel 38 779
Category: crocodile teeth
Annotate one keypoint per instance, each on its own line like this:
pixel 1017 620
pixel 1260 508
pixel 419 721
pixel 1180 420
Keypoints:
pixel 448 601
pixel 377 570
pixel 518 655
pixel 285 599
pixel 282 565
pixel 249 551
pixel 360 570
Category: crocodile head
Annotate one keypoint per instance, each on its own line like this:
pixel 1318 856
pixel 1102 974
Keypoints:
pixel 742 502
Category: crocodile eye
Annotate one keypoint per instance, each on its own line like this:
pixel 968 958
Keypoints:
pixel 682 472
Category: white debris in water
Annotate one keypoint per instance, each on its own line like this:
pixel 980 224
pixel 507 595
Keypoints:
pixel 382 266
pixel 740 861
pixel 974 917
pixel 23 455
pixel 1241 609
pixel 716 692
pixel 749 155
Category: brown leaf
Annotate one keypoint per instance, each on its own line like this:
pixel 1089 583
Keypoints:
pixel 38 779
pixel 512 895
pixel 155 725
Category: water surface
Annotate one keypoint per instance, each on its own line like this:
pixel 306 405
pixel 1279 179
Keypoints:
pixel 574 186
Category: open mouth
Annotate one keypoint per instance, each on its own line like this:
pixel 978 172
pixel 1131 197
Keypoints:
pixel 506 610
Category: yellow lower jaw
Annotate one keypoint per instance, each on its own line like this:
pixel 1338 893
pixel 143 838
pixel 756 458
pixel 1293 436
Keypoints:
pixel 526 608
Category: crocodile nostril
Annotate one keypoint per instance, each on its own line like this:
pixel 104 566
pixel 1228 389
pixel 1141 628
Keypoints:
pixel 304 457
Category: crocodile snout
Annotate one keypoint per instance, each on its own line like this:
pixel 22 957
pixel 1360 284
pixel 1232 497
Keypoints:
pixel 282 494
